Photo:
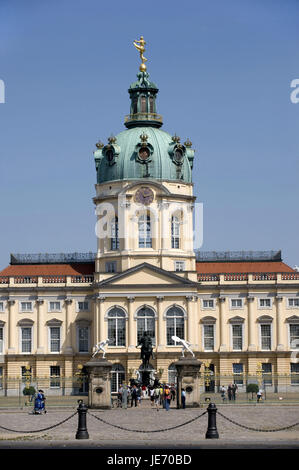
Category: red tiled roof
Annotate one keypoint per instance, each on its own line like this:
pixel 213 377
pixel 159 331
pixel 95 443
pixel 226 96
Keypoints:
pixel 243 267
pixel 71 269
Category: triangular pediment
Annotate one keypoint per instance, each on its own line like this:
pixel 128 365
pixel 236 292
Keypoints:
pixel 147 275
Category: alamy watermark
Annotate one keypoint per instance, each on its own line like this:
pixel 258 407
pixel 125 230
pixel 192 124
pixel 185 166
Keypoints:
pixel 295 93
pixel 2 91
pixel 163 221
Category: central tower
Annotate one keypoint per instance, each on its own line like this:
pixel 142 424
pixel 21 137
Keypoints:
pixel 144 192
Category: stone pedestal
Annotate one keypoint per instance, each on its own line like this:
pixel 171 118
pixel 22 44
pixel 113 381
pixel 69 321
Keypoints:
pixel 99 379
pixel 188 377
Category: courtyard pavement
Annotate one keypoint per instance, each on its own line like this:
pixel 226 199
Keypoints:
pixel 133 428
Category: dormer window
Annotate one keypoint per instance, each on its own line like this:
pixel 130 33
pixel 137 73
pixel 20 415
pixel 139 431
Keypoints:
pixel 109 155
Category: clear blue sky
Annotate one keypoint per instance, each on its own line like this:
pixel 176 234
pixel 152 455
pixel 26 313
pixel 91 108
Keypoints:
pixel 224 70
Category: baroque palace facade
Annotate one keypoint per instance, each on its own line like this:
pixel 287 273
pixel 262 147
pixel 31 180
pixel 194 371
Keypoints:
pixel 239 311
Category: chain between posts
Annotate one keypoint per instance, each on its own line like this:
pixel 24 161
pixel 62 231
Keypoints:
pixel 255 429
pixel 144 431
pixel 40 430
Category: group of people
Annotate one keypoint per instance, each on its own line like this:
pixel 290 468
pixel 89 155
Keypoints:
pixel 230 392
pixel 160 395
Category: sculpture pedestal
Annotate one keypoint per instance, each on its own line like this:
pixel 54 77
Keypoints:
pixel 188 377
pixel 99 394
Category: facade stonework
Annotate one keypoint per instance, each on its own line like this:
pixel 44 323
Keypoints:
pixel 240 314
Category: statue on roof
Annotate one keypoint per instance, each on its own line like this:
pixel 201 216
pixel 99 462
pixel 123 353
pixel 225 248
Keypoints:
pixel 140 46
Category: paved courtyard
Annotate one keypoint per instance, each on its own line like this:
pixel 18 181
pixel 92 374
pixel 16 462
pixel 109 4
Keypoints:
pixel 133 427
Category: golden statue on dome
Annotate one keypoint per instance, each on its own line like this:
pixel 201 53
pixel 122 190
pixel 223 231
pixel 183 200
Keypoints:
pixel 140 46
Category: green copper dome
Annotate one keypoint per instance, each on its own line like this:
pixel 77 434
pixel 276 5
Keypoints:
pixel 144 150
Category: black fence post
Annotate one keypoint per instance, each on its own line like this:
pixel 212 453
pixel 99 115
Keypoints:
pixel 82 430
pixel 212 432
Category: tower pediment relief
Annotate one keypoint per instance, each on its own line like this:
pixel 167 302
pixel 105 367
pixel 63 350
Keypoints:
pixel 147 275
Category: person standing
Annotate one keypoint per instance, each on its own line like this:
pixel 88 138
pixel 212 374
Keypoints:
pixel 222 391
pixel 124 397
pixel 229 392
pixel 167 397
pixel 157 397
pixel 183 398
pixel 234 391
pixel 152 395
pixel 139 393
pixel 134 396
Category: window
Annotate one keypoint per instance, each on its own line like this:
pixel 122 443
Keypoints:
pixel 54 376
pixel 1 306
pixel 151 104
pixel 210 303
pixel 143 104
pixel 175 232
pixel 267 373
pixel 238 374
pixel 55 339
pixel 237 337
pixel 146 322
pixel 294 373
pixel 1 340
pixel 117 327
pixel 294 336
pixel 26 339
pixel 144 231
pixel 114 240
pixel 26 306
pixel 83 339
pixel 54 306
pixel 172 374
pixel 174 324
pixel 179 265
pixel 118 377
pixel 236 303
pixel 265 336
pixel 208 337
pixel 110 267
pixel 293 303
pixel 265 303
pixel 83 306
pixel 26 373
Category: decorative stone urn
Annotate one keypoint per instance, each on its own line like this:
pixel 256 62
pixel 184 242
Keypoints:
pixel 99 379
pixel 188 377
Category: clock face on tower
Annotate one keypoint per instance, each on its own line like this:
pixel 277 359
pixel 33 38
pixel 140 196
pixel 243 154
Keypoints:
pixel 144 196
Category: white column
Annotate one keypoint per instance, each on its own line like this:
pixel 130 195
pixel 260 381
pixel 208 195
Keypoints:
pixel 279 325
pixel 251 325
pixel 11 327
pixel 131 329
pixel 222 324
pixel 102 334
pixel 40 345
pixel 68 328
pixel 190 321
pixel 160 332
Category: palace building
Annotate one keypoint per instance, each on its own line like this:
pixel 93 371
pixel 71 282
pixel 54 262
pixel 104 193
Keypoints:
pixel 238 310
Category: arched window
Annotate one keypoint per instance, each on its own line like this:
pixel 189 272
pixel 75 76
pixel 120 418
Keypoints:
pixel 172 374
pixel 114 234
pixel 151 104
pixel 134 105
pixel 144 231
pixel 116 327
pixel 175 232
pixel 146 322
pixel 118 377
pixel 174 324
pixel 143 104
